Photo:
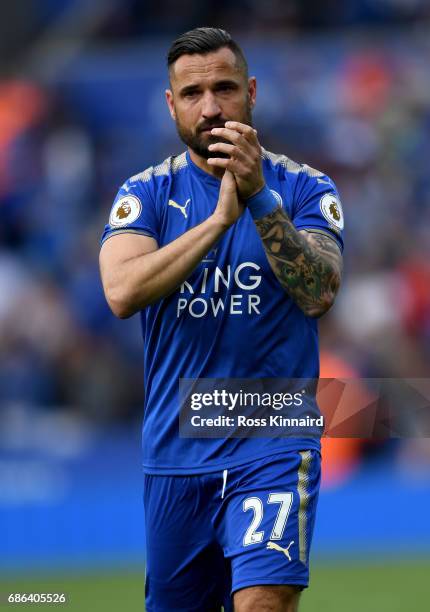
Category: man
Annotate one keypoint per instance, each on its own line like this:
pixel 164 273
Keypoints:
pixel 230 253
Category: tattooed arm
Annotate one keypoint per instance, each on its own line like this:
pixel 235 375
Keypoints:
pixel 307 264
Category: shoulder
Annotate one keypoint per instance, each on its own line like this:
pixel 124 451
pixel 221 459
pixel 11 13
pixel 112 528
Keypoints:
pixel 306 183
pixel 146 185
pixel 154 174
pixel 282 163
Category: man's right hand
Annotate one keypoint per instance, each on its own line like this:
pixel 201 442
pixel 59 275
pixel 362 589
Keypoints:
pixel 229 207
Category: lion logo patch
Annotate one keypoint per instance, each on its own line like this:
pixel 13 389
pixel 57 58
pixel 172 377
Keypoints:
pixel 331 208
pixel 125 211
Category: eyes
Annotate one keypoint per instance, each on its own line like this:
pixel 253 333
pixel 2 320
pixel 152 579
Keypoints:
pixel 222 88
pixel 226 87
pixel 189 95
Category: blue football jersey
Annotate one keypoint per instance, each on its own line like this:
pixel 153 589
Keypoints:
pixel 231 318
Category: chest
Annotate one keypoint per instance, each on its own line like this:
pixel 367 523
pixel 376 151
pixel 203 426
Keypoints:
pixel 234 277
pixel 181 205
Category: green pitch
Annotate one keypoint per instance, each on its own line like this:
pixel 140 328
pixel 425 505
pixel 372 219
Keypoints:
pixel 378 587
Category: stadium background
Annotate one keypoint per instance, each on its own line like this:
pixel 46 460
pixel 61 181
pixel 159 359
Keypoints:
pixel 343 86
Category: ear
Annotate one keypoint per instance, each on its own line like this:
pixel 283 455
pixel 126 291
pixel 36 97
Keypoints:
pixel 252 90
pixel 170 103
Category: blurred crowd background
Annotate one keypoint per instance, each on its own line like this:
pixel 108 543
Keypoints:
pixel 343 86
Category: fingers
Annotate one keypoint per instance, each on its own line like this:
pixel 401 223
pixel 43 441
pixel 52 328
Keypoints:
pixel 238 133
pixel 232 150
pixel 246 130
pixel 237 164
pixel 220 162
pixel 229 180
pixel 231 135
pixel 244 156
pixel 241 135
pixel 238 169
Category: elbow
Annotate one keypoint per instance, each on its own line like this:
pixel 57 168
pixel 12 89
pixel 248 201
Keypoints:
pixel 125 300
pixel 120 302
pixel 120 308
pixel 124 295
pixel 317 309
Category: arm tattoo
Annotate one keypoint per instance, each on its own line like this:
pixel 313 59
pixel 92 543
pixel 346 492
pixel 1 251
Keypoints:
pixel 308 265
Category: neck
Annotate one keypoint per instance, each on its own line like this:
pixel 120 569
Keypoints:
pixel 202 163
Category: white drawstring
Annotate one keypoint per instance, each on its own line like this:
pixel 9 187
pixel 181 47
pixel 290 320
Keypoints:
pixel 224 482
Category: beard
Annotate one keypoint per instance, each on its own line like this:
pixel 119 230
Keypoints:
pixel 198 140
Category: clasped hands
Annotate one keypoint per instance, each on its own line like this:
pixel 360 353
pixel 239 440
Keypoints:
pixel 244 160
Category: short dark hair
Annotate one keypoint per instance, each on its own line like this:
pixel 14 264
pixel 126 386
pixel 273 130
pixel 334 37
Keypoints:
pixel 205 40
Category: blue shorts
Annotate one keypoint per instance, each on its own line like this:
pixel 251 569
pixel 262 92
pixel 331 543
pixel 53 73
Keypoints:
pixel 210 535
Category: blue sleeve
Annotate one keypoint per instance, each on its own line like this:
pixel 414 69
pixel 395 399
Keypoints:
pixel 317 205
pixel 133 211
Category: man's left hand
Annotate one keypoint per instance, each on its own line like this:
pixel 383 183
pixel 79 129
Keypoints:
pixel 244 156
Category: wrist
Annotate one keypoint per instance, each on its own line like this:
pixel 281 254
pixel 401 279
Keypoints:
pixel 218 222
pixel 261 203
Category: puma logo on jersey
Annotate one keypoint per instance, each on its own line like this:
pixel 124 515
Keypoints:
pixel 286 551
pixel 183 208
pixel 210 257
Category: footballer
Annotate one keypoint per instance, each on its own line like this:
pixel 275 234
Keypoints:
pixel 230 253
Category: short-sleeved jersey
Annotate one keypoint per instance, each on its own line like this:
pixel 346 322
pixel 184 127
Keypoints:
pixel 231 318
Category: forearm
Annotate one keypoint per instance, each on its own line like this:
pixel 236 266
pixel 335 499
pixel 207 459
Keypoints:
pixel 142 279
pixel 307 266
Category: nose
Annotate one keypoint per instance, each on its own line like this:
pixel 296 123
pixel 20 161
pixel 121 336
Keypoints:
pixel 210 106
